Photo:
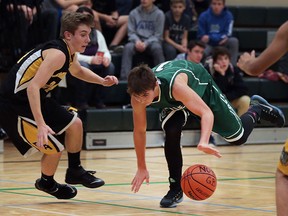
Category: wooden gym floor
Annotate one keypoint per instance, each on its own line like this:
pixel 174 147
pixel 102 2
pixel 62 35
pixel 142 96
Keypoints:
pixel 245 184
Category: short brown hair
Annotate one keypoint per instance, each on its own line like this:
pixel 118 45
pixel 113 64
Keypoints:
pixel 220 51
pixel 193 44
pixel 140 80
pixel 177 1
pixel 70 21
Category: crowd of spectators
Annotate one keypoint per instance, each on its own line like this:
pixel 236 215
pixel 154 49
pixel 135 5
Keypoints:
pixel 149 31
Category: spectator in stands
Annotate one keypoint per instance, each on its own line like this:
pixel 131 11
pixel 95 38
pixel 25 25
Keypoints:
pixel 43 124
pixel 145 34
pixel 215 27
pixel 195 52
pixel 30 24
pixel 110 20
pixel 175 30
pixel 164 5
pixel 229 79
pixel 97 58
pixel 255 66
pixel 177 89
pixel 124 6
pixel 71 5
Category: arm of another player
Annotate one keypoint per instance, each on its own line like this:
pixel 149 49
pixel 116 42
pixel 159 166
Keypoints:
pixel 87 75
pixel 182 92
pixel 139 136
pixel 278 47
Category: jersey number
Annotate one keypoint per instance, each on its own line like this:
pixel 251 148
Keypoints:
pixel 161 66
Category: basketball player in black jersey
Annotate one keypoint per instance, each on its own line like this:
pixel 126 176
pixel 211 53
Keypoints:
pixel 35 122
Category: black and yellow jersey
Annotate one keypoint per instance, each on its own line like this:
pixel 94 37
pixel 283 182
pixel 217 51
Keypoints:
pixel 26 68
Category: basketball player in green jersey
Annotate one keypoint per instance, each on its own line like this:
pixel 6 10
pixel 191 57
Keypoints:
pixel 255 66
pixel 35 122
pixel 180 88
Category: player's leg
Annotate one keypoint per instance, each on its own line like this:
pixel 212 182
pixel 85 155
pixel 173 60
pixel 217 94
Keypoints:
pixel 172 125
pixel 236 130
pixel 65 120
pixel 259 110
pixel 281 182
pixel 46 183
pixel 281 193
pixel 76 174
pixel 23 134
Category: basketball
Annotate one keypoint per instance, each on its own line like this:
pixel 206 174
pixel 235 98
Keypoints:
pixel 198 182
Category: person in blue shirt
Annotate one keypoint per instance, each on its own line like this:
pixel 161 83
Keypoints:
pixel 215 27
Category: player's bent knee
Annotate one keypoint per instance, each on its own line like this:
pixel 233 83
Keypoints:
pixel 76 125
pixel 241 141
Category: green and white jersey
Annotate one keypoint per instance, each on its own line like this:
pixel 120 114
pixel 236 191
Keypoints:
pixel 198 79
pixel 226 121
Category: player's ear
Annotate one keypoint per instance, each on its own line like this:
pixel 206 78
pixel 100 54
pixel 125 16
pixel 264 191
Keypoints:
pixel 67 35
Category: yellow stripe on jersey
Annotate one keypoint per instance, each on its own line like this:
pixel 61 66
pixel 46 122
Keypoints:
pixel 28 131
pixel 27 71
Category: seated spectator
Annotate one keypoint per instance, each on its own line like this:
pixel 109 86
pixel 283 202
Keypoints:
pixel 145 34
pixel 97 58
pixel 164 5
pixel 215 27
pixel 71 5
pixel 124 6
pixel 229 79
pixel 110 20
pixel 30 24
pixel 175 30
pixel 195 52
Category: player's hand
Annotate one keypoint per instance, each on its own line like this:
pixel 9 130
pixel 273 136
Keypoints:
pixel 97 60
pixel 208 149
pixel 137 181
pixel 244 60
pixel 110 80
pixel 42 136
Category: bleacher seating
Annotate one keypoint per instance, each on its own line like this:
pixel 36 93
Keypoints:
pixel 254 27
pixel 119 119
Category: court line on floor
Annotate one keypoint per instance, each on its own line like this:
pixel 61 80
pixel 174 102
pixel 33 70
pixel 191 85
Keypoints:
pixel 13 190
pixel 101 203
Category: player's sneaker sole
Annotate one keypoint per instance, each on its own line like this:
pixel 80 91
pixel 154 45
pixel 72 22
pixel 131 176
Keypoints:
pixel 60 191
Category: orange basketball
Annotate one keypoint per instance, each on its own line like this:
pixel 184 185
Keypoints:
pixel 198 182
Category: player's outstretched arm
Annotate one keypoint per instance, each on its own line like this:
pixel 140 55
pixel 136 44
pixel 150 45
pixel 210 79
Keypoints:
pixel 182 92
pixel 139 136
pixel 256 65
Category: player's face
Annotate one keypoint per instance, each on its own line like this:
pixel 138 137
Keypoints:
pixel 145 98
pixel 177 9
pixel 217 6
pixel 223 61
pixel 195 54
pixel 80 39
